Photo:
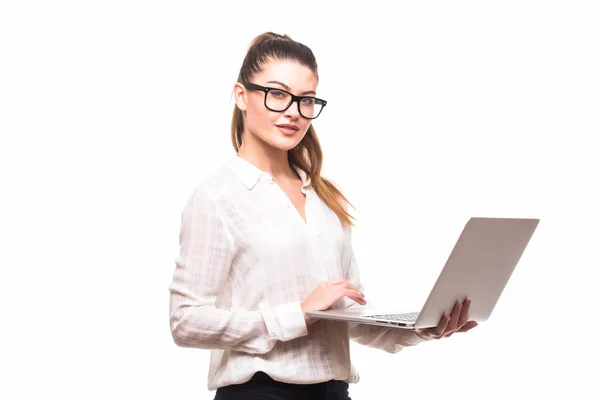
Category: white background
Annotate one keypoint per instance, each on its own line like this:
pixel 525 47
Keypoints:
pixel 111 112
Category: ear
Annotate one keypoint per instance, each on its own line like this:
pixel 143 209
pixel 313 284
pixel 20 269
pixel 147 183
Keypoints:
pixel 239 91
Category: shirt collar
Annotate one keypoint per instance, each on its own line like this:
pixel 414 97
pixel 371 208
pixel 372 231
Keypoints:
pixel 250 175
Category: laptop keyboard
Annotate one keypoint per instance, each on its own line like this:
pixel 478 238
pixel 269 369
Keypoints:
pixel 404 317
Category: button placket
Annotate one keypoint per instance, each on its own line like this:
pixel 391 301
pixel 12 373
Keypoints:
pixel 288 203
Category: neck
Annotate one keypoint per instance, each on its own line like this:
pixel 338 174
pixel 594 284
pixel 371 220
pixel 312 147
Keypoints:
pixel 267 158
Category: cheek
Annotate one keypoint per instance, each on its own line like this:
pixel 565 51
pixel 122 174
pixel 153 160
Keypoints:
pixel 261 120
pixel 257 117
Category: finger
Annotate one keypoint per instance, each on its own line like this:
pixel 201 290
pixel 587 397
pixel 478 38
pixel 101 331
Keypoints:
pixel 351 286
pixel 468 326
pixel 354 295
pixel 441 328
pixel 423 333
pixel 359 300
pixel 452 325
pixel 348 285
pixel 464 314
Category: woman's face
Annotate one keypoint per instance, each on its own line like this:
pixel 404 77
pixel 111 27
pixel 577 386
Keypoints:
pixel 282 130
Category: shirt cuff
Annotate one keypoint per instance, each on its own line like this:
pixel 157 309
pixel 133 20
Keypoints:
pixel 285 322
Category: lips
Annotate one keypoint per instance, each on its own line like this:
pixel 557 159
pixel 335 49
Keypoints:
pixel 287 129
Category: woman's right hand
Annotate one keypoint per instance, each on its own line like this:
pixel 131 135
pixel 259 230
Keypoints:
pixel 328 293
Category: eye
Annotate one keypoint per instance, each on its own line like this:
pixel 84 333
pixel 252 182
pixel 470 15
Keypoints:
pixel 278 94
pixel 309 101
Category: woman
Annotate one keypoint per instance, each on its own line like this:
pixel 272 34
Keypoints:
pixel 266 239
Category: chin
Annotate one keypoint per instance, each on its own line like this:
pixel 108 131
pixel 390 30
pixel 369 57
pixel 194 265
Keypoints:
pixel 285 143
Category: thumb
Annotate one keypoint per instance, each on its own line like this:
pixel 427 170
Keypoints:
pixel 468 326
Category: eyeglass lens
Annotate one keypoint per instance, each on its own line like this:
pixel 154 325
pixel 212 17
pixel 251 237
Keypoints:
pixel 278 100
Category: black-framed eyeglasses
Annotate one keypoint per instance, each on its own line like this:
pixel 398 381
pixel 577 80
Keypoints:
pixel 280 100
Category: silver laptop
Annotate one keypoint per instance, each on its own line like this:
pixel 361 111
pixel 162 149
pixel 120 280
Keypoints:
pixel 478 268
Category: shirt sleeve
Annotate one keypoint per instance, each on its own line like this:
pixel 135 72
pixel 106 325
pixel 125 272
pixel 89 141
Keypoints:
pixel 391 340
pixel 201 270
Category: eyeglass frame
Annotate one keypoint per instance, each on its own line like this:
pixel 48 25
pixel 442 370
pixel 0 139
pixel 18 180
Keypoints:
pixel 295 99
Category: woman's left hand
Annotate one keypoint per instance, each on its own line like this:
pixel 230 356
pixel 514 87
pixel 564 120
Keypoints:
pixel 456 322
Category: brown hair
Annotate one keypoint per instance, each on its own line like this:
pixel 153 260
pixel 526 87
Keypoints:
pixel 307 155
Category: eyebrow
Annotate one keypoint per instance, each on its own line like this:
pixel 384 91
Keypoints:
pixel 286 87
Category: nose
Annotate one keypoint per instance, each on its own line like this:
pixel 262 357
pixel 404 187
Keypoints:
pixel 293 111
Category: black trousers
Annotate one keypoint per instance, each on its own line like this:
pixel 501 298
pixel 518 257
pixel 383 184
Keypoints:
pixel 262 387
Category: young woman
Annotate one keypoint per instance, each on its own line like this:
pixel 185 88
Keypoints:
pixel 266 238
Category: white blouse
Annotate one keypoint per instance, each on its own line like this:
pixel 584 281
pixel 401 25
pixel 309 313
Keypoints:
pixel 246 263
